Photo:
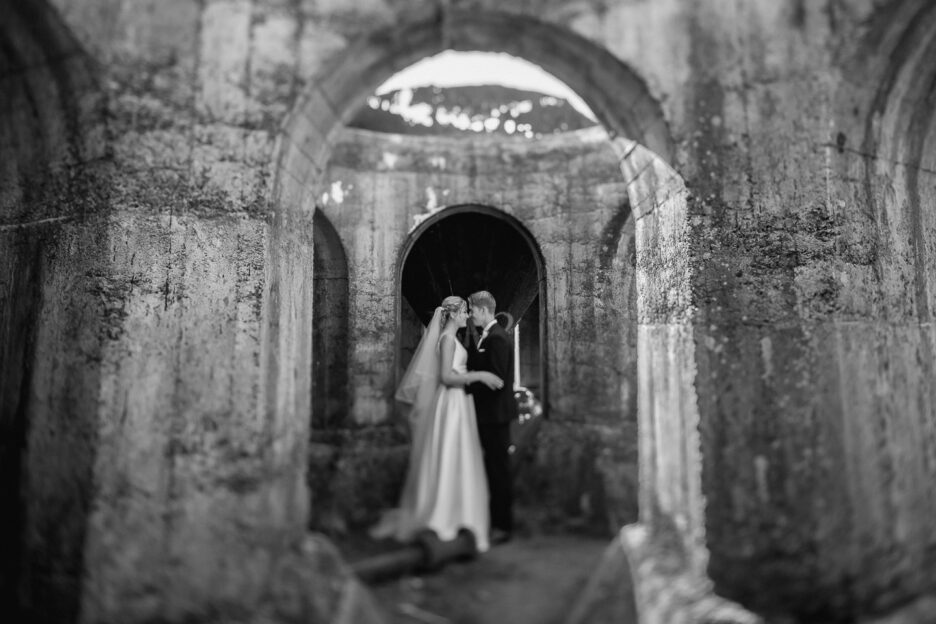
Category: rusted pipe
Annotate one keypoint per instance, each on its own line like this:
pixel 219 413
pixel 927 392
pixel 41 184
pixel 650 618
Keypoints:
pixel 426 553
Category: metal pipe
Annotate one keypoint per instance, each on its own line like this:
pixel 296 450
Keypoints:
pixel 426 553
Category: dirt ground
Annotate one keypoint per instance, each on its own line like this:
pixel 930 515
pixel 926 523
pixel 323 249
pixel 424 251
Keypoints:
pixel 540 579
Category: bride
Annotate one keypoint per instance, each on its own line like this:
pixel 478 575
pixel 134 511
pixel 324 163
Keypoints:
pixel 446 488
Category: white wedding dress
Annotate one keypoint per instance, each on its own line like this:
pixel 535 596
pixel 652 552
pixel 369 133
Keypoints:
pixel 446 487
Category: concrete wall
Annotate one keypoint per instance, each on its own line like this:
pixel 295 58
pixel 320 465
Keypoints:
pixel 53 188
pixel 567 191
pixel 796 343
pixel 178 356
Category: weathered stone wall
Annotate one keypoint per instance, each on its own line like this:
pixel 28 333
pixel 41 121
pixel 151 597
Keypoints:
pixel 157 479
pixel 802 367
pixel 567 191
pixel 877 284
pixel 53 186
pixel 178 360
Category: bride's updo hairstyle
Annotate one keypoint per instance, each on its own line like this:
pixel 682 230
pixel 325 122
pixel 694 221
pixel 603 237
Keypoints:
pixel 450 307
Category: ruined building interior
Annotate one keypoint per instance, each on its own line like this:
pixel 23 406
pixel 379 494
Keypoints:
pixel 214 269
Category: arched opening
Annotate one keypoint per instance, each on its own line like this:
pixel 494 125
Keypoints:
pixel 648 222
pixel 329 327
pixel 464 249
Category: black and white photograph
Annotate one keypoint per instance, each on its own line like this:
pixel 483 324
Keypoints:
pixel 468 311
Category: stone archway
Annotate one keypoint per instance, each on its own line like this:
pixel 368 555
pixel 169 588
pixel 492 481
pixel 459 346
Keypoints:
pixel 883 158
pixel 671 494
pixel 463 249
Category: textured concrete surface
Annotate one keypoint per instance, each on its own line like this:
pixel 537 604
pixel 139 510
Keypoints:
pixel 160 166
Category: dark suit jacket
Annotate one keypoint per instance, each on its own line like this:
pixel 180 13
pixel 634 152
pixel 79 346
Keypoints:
pixel 494 355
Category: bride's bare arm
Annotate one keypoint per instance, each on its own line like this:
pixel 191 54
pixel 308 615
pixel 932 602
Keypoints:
pixel 452 379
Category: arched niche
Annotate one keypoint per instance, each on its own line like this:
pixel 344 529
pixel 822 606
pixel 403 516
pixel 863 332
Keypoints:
pixel 618 97
pixel 899 147
pixel 463 249
pixel 329 327
pixel 883 157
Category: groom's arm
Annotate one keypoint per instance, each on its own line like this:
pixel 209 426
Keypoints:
pixel 499 357
pixel 472 366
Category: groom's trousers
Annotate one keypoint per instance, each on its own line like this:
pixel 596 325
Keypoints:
pixel 495 442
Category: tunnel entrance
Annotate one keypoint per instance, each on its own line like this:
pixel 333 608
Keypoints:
pixel 464 249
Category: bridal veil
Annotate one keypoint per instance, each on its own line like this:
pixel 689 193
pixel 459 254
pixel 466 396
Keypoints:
pixel 418 387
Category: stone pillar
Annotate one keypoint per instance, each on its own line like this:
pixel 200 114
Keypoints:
pixel 667 549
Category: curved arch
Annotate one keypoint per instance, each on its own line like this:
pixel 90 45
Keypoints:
pixel 490 211
pixel 329 325
pixel 897 40
pixel 900 112
pixel 885 116
pixel 531 244
pixel 47 66
pixel 671 491
pixel 898 171
pixel 616 94
pixel 899 146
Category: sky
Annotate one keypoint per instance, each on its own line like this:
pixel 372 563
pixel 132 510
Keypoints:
pixel 455 69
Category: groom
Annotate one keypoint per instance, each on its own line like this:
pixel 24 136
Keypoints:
pixel 495 409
